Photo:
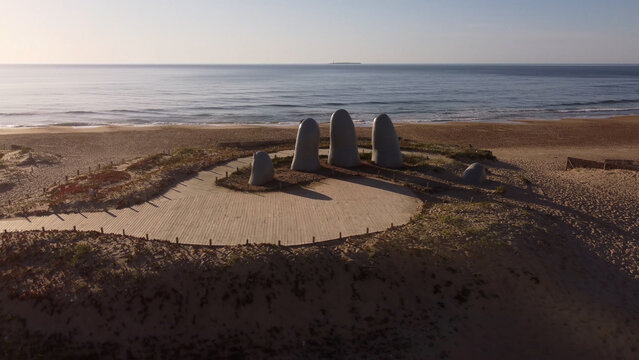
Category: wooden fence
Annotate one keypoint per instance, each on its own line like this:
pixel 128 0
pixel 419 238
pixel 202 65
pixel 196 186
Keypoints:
pixel 608 164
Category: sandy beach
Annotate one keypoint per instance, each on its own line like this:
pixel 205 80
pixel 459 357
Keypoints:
pixel 547 265
pixel 82 148
pixel 319 180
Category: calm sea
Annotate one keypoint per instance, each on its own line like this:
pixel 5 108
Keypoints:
pixel 87 95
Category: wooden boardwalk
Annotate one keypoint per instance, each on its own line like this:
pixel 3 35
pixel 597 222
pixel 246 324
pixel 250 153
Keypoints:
pixel 198 211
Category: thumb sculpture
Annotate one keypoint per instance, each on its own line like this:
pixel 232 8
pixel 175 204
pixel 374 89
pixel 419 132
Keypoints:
pixel 262 170
pixel 386 152
pixel 475 174
pixel 343 150
pixel 306 157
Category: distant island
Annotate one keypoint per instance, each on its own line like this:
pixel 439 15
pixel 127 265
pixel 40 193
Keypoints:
pixel 345 63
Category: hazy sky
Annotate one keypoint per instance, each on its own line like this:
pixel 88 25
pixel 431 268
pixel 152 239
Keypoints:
pixel 319 31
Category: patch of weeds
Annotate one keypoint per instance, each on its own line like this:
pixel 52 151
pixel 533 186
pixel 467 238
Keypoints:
pixel 76 254
pixel 364 143
pixel 282 160
pixel 415 160
pixel 365 156
pixel 454 220
pixel 472 231
pixel 500 190
pixel 80 185
pixel 146 164
pixel 452 151
pixel 183 155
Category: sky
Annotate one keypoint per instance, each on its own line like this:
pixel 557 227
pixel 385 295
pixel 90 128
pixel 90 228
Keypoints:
pixel 318 31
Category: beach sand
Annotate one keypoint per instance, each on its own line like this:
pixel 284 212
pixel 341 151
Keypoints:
pixel 82 148
pixel 563 286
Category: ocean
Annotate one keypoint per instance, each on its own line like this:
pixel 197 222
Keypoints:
pixel 92 95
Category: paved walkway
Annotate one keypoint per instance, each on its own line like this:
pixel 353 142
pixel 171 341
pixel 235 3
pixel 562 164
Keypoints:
pixel 198 211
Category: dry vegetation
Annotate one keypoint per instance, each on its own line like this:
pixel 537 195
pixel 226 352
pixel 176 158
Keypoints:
pixel 284 177
pixel 429 289
pixel 498 271
pixel 16 163
pixel 406 290
pixel 130 183
pixel 443 159
pixel 135 181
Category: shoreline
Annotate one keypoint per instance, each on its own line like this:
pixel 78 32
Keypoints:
pixel 63 128
pixel 117 140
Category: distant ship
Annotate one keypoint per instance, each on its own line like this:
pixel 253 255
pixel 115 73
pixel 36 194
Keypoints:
pixel 345 63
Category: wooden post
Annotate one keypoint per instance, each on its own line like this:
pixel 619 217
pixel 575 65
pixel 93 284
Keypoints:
pixel 147 236
pixel 101 230
pixel 43 228
pixel 391 225
pixel 210 242
pixel 340 234
pixel 78 171
pixel 367 230
pixel 123 232
pixel 246 241
pixel 73 227
pixel 177 240
pixel 227 174
pixel 313 239
pixel 279 243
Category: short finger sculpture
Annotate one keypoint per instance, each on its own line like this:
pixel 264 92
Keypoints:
pixel 386 152
pixel 475 174
pixel 306 157
pixel 343 150
pixel 262 170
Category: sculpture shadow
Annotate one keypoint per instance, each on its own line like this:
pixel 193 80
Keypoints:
pixel 306 193
pixel 377 184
